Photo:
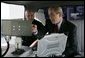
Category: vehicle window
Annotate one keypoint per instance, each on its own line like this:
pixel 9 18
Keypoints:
pixel 11 11
pixel 73 12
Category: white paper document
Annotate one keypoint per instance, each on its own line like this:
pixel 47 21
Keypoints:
pixel 52 44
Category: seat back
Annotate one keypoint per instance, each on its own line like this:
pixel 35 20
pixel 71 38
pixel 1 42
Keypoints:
pixel 40 16
pixel 80 35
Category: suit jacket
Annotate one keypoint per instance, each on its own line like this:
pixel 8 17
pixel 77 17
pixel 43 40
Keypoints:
pixel 68 29
pixel 28 40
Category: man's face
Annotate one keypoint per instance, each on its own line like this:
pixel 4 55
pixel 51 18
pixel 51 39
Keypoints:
pixel 29 15
pixel 54 16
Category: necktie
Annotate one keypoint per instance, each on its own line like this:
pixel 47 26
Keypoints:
pixel 55 28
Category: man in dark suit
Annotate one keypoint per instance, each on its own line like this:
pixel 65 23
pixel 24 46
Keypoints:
pixel 56 24
pixel 29 16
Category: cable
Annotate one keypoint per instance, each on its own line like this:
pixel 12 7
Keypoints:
pixel 7 48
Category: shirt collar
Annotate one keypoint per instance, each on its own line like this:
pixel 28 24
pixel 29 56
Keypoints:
pixel 59 24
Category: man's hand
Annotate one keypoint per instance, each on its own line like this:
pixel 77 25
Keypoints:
pixel 34 43
pixel 34 29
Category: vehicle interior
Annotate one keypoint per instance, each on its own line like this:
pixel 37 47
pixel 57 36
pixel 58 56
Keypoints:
pixel 73 12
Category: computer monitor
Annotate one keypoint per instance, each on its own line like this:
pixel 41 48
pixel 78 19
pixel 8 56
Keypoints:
pixel 51 44
pixel 16 28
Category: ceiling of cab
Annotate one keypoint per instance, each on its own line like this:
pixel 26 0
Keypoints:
pixel 41 4
pixel 18 2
